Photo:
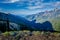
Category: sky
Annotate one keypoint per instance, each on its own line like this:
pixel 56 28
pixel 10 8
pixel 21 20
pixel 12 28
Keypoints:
pixel 27 7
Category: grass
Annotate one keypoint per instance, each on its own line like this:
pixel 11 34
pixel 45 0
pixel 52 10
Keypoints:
pixel 28 35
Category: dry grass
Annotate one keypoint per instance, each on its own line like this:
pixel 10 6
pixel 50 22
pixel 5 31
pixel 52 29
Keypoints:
pixel 27 35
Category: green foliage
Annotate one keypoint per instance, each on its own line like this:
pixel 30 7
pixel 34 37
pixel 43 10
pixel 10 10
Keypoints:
pixel 36 32
pixel 6 34
pixel 56 24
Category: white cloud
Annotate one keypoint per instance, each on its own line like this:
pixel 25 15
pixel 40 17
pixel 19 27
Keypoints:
pixel 9 1
pixel 14 1
pixel 57 4
pixel 34 2
pixel 34 7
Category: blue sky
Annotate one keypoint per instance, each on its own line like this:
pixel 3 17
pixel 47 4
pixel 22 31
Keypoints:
pixel 27 7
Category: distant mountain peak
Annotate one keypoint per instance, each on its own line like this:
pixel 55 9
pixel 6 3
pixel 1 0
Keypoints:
pixel 44 15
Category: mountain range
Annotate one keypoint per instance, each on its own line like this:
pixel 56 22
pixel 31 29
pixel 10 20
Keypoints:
pixel 16 23
pixel 52 16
